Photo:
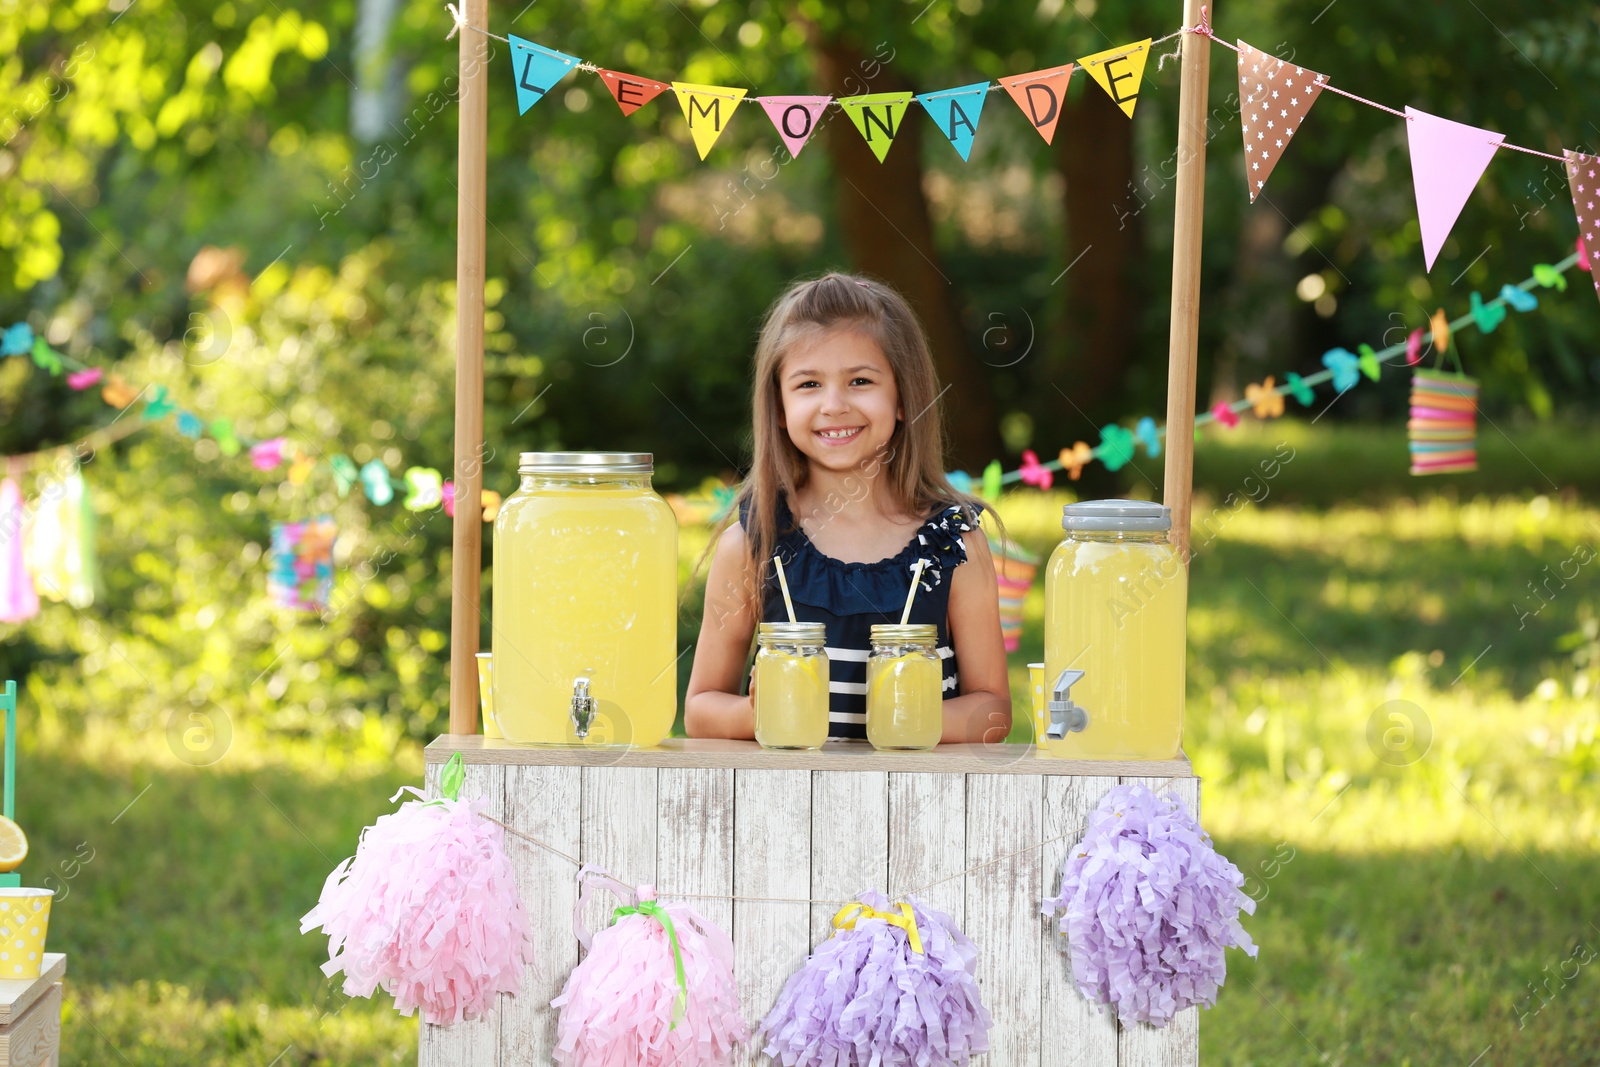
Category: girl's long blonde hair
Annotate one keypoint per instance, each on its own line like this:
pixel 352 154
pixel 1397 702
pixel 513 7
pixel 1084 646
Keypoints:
pixel 913 461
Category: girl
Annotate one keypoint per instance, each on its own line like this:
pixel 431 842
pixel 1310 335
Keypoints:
pixel 847 487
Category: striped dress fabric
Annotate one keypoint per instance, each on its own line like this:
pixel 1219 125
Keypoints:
pixel 850 598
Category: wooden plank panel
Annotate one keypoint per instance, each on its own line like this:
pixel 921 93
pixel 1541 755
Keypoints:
pixel 33 1039
pixel 476 1043
pixel 694 839
pixel 617 832
pixel 1003 833
pixel 1177 1044
pixel 747 755
pixel 1074 1032
pixel 772 858
pixel 542 802
pixel 928 839
pixel 849 841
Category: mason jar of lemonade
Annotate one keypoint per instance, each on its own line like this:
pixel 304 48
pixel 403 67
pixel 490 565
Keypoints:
pixel 1116 594
pixel 791 685
pixel 905 687
pixel 585 603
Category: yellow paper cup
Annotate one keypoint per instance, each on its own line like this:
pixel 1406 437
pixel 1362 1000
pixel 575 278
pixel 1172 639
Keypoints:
pixel 24 921
pixel 491 725
pixel 1036 686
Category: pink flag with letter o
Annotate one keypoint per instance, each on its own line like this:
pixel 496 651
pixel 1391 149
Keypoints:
pixel 795 116
pixel 1447 159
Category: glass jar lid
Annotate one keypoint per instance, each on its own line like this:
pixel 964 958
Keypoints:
pixel 791 633
pixel 1134 516
pixel 892 633
pixel 586 463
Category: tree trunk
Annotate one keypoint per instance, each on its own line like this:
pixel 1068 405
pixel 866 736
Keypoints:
pixel 888 233
pixel 1102 308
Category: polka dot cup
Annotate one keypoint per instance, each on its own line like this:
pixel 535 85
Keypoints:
pixel 24 921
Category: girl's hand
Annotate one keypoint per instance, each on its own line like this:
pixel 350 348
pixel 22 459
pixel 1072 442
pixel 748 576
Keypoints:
pixel 713 706
pixel 982 713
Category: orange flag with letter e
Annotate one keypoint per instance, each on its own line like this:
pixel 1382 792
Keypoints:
pixel 708 109
pixel 1119 71
pixel 1274 97
pixel 630 91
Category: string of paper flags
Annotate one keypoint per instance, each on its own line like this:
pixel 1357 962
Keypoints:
pixel 1447 157
pixel 417 489
pixel 1118 445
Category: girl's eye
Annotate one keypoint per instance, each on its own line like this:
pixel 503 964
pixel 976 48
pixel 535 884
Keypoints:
pixel 862 381
pixel 806 385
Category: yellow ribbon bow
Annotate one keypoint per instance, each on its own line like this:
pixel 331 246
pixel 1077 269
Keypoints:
pixel 849 914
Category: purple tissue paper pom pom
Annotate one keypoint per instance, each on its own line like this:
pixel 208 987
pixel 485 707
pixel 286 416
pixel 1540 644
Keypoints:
pixel 864 998
pixel 1148 907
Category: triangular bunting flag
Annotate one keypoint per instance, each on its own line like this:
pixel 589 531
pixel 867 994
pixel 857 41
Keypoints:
pixel 877 116
pixel 1583 176
pixel 1276 96
pixel 956 112
pixel 630 91
pixel 1119 71
pixel 536 69
pixel 1040 95
pixel 1447 159
pixel 795 116
pixel 708 109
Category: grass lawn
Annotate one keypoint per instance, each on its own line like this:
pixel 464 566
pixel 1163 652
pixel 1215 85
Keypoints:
pixel 1427 893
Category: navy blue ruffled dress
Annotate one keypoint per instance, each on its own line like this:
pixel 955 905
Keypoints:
pixel 849 598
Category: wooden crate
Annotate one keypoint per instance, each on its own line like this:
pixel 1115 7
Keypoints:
pixel 961 825
pixel 30 1016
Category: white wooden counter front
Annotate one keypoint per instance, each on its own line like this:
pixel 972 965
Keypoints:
pixel 962 826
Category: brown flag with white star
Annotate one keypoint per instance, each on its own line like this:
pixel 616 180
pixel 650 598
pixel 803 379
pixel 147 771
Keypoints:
pixel 1583 176
pixel 1274 98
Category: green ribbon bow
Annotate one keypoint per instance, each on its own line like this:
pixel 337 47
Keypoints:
pixel 655 911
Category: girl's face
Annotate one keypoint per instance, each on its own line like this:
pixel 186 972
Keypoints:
pixel 840 401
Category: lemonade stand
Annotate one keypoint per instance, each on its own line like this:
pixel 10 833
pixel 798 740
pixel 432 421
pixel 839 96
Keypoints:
pixel 765 839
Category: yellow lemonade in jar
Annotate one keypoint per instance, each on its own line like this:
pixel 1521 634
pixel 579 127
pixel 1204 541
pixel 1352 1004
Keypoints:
pixel 905 688
pixel 791 685
pixel 585 603
pixel 1116 596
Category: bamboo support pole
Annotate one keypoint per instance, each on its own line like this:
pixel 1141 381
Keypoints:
pixel 466 558
pixel 1184 339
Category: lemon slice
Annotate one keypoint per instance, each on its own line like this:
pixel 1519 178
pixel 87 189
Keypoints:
pixel 13 845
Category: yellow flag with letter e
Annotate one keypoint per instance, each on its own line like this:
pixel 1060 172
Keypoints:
pixel 877 116
pixel 708 109
pixel 1119 71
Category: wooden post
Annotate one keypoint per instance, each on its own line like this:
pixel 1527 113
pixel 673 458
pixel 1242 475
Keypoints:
pixel 466 558
pixel 1183 343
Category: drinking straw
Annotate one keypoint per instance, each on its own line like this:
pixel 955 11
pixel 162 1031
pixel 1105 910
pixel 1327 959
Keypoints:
pixel 916 578
pixel 783 583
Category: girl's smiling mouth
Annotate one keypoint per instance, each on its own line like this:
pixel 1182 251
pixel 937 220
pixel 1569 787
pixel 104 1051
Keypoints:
pixel 837 434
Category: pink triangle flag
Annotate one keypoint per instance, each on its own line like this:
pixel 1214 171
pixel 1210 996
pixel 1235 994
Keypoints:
pixel 1447 159
pixel 795 116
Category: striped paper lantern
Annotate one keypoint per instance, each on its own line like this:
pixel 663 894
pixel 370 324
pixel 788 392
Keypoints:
pixel 1443 429
pixel 1014 568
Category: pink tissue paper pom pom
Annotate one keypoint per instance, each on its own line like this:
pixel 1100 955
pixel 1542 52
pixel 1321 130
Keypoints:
pixel 427 909
pixel 619 1006
pixel 1148 907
